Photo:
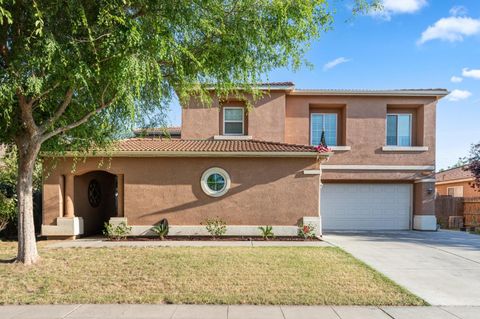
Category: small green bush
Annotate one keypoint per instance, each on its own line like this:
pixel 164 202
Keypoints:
pixel 267 232
pixel 215 226
pixel 306 231
pixel 161 229
pixel 112 232
pixel 7 210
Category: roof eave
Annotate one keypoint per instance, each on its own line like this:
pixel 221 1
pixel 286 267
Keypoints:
pixel 413 93
pixel 263 88
pixel 186 154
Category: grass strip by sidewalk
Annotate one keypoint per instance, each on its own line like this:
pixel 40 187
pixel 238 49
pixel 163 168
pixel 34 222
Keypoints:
pixel 205 275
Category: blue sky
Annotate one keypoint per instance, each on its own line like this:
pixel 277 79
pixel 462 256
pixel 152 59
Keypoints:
pixel 414 44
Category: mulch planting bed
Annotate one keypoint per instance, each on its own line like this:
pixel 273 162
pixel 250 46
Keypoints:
pixel 222 238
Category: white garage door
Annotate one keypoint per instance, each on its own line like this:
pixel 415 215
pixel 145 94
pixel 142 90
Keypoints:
pixel 366 206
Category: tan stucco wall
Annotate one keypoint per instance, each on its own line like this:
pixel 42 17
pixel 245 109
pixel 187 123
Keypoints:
pixel 264 191
pixel 365 127
pixel 424 198
pixel 468 190
pixel 362 126
pixel 265 119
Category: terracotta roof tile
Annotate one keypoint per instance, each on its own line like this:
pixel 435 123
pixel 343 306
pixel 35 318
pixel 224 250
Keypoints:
pixel 172 131
pixel 179 145
pixel 452 174
pixel 285 83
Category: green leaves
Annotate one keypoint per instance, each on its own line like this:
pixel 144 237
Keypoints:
pixel 140 54
pixel 5 15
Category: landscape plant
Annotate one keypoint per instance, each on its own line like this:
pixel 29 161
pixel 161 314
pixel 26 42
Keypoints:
pixel 473 164
pixel 8 187
pixel 116 232
pixel 75 75
pixel 7 211
pixel 267 232
pixel 306 231
pixel 161 229
pixel 215 226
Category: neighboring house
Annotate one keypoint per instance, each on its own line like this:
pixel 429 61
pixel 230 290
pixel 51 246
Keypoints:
pixel 259 166
pixel 456 182
pixel 163 132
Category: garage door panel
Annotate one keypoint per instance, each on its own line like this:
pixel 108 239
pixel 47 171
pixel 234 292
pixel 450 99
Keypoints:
pixel 366 206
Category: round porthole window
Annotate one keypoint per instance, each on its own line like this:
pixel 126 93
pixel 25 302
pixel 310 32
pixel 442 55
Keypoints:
pixel 215 182
pixel 94 193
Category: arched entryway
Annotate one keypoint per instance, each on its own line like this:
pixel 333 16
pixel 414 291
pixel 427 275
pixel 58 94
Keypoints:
pixel 96 199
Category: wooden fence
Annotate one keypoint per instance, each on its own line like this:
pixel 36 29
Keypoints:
pixel 468 208
pixel 471 211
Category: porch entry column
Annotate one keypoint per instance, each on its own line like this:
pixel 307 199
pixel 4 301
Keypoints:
pixel 120 196
pixel 68 226
pixel 120 207
pixel 69 196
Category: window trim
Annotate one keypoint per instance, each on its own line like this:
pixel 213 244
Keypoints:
pixel 459 187
pixel 235 121
pixel 411 129
pixel 204 185
pixel 324 113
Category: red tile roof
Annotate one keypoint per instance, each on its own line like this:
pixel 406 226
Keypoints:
pixel 286 83
pixel 156 131
pixel 179 145
pixel 453 174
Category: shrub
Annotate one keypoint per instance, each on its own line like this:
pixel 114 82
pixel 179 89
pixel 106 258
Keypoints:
pixel 121 231
pixel 267 232
pixel 7 210
pixel 306 231
pixel 161 229
pixel 8 197
pixel 215 226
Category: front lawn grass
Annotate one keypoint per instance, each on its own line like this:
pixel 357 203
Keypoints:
pixel 207 275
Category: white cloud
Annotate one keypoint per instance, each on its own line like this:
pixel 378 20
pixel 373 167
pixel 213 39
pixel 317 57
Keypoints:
pixel 334 63
pixel 391 7
pixel 458 11
pixel 471 73
pixel 451 29
pixel 456 79
pixel 403 6
pixel 457 95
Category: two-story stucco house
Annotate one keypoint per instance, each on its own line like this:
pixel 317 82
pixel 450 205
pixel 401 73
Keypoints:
pixel 259 166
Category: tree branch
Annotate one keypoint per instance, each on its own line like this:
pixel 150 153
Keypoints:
pixel 79 122
pixel 26 116
pixel 60 110
pixel 91 40
pixel 45 93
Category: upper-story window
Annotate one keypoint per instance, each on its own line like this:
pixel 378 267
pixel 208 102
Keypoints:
pixel 456 191
pixel 323 122
pixel 399 129
pixel 233 120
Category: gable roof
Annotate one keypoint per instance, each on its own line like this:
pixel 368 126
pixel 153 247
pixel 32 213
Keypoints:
pixel 457 173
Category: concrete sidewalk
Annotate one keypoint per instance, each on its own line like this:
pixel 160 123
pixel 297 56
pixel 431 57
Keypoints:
pixel 123 311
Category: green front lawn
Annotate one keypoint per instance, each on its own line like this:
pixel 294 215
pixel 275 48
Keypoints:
pixel 217 275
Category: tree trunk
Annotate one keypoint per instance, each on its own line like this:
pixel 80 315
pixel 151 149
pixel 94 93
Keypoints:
pixel 28 149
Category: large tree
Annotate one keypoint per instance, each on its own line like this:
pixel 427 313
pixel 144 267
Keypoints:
pixel 74 73
pixel 472 164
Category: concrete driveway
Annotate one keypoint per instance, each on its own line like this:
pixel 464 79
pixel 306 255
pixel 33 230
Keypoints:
pixel 441 267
